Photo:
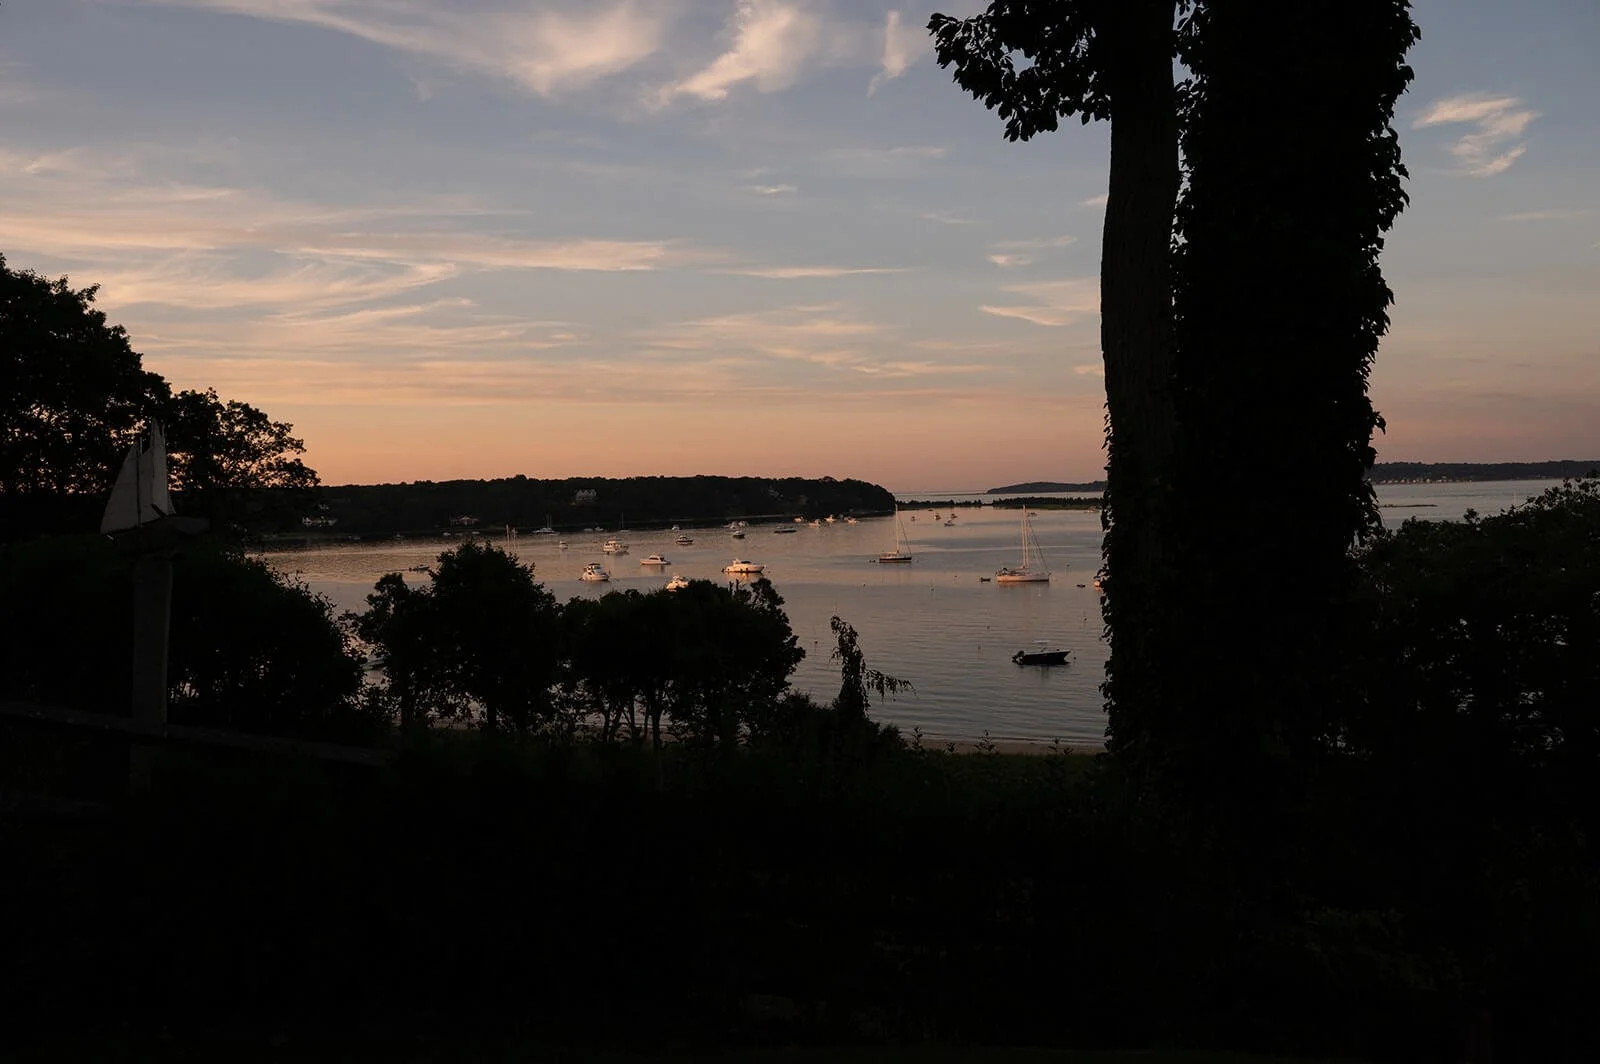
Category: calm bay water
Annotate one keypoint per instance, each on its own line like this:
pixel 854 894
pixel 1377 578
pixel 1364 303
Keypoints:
pixel 932 622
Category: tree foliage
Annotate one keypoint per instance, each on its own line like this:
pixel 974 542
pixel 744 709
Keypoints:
pixel 72 389
pixel 231 462
pixel 478 642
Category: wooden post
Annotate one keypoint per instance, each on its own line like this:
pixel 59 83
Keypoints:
pixel 152 626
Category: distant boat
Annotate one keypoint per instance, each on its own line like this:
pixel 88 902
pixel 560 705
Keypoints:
pixel 654 559
pixel 594 572
pixel 900 553
pixel 737 533
pixel 849 520
pixel 816 524
pixel 678 583
pixel 1033 569
pixel 790 529
pixel 737 567
pixel 799 520
pixel 829 519
pixel 1042 655
pixel 561 545
pixel 614 546
pixel 684 540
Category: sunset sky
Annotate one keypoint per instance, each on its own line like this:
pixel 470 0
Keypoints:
pixel 475 238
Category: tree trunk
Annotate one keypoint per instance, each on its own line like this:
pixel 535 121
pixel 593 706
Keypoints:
pixel 1136 339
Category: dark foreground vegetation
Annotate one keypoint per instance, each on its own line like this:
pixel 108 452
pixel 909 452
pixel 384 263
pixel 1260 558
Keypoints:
pixel 531 864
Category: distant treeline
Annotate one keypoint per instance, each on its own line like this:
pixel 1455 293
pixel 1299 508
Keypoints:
pixel 1036 502
pixel 1391 472
pixel 372 509
pixel 1047 485
pixel 1387 473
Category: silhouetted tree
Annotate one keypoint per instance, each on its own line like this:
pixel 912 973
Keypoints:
pixel 232 462
pixel 72 389
pixel 1294 175
pixel 734 654
pixel 1036 61
pixel 858 681
pixel 479 638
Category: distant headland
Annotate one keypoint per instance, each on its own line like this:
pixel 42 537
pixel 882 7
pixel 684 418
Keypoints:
pixel 1385 473
pixel 523 503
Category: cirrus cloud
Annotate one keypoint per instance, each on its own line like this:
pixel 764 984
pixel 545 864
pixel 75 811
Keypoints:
pixel 1500 122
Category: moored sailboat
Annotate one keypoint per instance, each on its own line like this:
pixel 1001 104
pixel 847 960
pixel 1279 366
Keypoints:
pixel 1033 569
pixel 900 552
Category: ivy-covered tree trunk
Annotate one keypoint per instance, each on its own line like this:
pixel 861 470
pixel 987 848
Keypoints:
pixel 1294 175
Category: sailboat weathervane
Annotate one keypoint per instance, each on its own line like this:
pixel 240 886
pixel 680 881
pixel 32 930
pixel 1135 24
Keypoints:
pixel 140 496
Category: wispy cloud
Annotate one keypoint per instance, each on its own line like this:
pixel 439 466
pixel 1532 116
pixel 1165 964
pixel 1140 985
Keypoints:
pixel 1094 201
pixel 1500 122
pixel 1012 253
pixel 771 190
pixel 1052 303
pixel 543 50
pixel 901 44
pixel 769 43
pixel 1553 214
pixel 785 273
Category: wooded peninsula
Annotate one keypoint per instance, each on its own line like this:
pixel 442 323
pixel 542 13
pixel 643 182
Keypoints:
pixel 582 502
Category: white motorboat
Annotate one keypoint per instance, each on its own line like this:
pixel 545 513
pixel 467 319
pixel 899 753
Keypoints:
pixel 740 567
pixel 678 583
pixel 1033 569
pixel 594 571
pixel 654 559
pixel 684 540
pixel 737 533
pixel 614 546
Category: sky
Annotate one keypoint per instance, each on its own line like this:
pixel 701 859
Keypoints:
pixel 477 238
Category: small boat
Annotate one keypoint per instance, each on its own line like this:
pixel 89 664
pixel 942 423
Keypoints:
pixel 1032 570
pixel 829 519
pixel 674 528
pixel 1100 583
pixel 789 529
pixel 561 545
pixel 900 553
pixel 684 540
pixel 738 566
pixel 678 583
pixel 594 572
pixel 799 520
pixel 419 569
pixel 816 524
pixel 849 520
pixel 950 522
pixel 984 579
pixel 737 533
pixel 1042 655
pixel 654 559
pixel 614 546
